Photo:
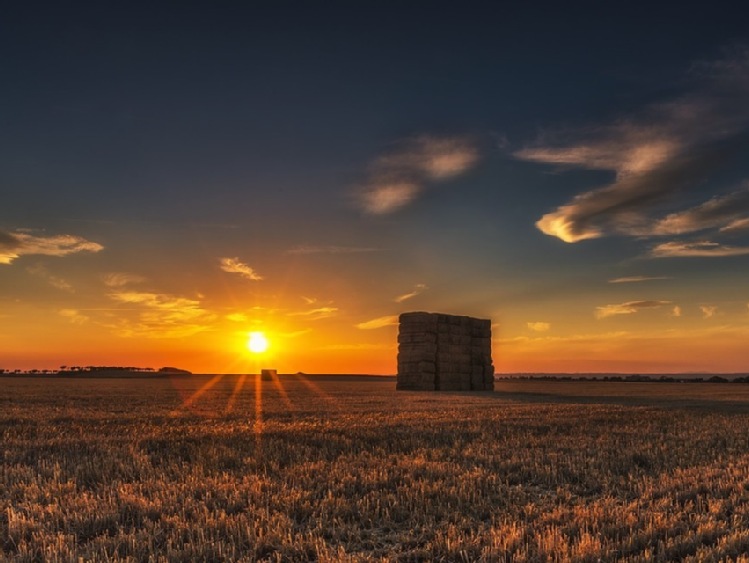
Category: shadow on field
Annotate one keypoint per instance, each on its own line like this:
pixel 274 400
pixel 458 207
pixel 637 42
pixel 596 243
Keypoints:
pixel 653 401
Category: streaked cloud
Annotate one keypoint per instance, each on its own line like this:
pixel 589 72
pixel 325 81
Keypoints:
pixel 295 334
pixel 354 347
pixel 73 315
pixel 400 176
pixel 315 314
pixel 627 308
pixel 236 317
pixel 21 243
pixel 329 249
pixel 418 288
pixel 578 338
pixel 154 300
pixel 40 270
pixel 662 150
pixel 735 226
pixel 636 279
pixel 120 279
pixel 234 266
pixel 379 322
pixel 160 315
pixel 701 249
pixel 725 212
pixel 388 197
pixel 539 326
pixel 708 311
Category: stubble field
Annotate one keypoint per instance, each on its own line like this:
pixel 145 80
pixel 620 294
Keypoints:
pixel 301 468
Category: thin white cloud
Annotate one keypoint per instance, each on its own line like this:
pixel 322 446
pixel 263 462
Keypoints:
pixel 627 308
pixel 330 249
pixel 654 154
pixel 73 315
pixel 636 279
pixel 419 288
pixel 400 176
pixel 379 322
pixel 708 311
pixel 234 266
pixel 20 243
pixel 120 279
pixel 702 249
pixel 539 326
pixel 676 311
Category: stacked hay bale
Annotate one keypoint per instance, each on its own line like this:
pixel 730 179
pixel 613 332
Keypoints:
pixel 444 352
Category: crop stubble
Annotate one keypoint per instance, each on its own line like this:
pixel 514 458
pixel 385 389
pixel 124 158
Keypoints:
pixel 337 470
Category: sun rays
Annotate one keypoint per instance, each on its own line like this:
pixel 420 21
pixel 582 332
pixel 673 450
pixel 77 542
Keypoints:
pixel 312 386
pixel 237 390
pixel 187 403
pixel 234 395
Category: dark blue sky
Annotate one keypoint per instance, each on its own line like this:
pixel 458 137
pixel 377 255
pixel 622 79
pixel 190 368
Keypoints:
pixel 354 151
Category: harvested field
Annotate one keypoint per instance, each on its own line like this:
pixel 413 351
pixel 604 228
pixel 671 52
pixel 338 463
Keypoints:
pixel 301 468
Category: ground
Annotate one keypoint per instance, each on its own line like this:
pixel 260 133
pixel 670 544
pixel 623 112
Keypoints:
pixel 300 468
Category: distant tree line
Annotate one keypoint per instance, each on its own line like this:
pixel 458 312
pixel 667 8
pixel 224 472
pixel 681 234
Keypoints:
pixel 88 370
pixel 633 378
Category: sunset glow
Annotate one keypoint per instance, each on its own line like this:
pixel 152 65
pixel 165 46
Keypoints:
pixel 257 343
pixel 225 199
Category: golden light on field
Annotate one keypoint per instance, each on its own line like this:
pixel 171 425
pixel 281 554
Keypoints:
pixel 257 343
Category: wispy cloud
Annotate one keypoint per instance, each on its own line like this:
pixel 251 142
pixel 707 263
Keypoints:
pixel 379 322
pixel 725 212
pixel 73 315
pixel 234 266
pixel 20 243
pixel 295 334
pixel 636 279
pixel 315 314
pixel 666 148
pixel 676 311
pixel 120 279
pixel 330 249
pixel 735 226
pixel 708 311
pixel 702 249
pixel 627 308
pixel 160 315
pixel 236 317
pixel 400 176
pixel 539 326
pixel 57 282
pixel 419 288
pixel 363 346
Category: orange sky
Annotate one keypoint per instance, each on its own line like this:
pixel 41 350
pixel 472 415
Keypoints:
pixel 173 180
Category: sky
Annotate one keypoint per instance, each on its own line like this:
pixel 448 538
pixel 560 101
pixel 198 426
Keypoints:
pixel 173 178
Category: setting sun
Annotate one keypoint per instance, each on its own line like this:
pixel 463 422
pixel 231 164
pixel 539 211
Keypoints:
pixel 257 343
